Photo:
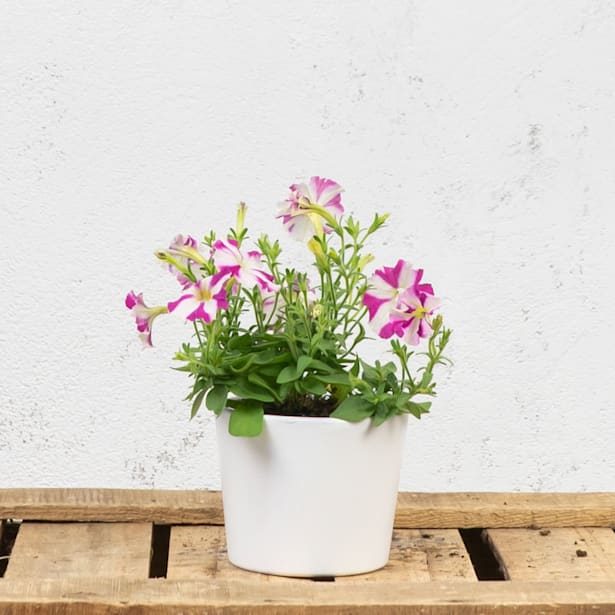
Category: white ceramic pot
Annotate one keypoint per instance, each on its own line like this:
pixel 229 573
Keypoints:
pixel 311 496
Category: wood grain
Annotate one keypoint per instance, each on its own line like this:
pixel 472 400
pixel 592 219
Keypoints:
pixel 69 550
pixel 422 556
pixel 157 506
pixel 556 554
pixel 239 597
pixel 414 510
pixel 197 552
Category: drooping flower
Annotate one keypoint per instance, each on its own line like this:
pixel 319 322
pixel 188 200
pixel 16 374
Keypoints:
pixel 144 316
pixel 183 258
pixel 244 267
pixel 203 299
pixel 310 207
pixel 399 304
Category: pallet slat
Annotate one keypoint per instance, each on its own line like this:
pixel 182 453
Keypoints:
pixel 556 554
pixel 102 568
pixel 239 597
pixel 72 550
pixel 414 510
pixel 198 552
pixel 422 556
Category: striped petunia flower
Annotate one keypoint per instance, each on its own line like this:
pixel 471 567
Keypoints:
pixel 144 315
pixel 399 304
pixel 245 268
pixel 202 300
pixel 310 206
pixel 183 257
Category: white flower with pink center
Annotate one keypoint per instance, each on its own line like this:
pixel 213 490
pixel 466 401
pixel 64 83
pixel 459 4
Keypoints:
pixel 203 299
pixel 399 304
pixel 144 316
pixel 310 205
pixel 246 268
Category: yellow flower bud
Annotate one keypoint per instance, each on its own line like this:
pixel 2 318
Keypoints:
pixel 315 247
pixel 368 258
pixel 241 217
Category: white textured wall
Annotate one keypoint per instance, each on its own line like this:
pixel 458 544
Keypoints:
pixel 486 128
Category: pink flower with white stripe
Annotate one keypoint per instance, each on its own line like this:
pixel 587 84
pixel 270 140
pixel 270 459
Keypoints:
pixel 183 255
pixel 144 316
pixel 399 304
pixel 203 299
pixel 310 207
pixel 244 267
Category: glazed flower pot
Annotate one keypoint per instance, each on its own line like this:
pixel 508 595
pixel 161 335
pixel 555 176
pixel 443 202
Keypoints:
pixel 309 496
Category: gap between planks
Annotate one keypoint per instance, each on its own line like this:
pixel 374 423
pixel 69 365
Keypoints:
pixel 414 510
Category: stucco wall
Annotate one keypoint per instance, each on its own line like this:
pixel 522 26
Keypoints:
pixel 485 128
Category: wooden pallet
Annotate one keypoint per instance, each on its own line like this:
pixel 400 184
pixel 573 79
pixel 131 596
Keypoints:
pixel 82 551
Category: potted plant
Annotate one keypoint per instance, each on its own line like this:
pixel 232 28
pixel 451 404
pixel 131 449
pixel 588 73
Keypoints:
pixel 310 433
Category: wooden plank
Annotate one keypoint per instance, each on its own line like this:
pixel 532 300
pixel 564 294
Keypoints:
pixel 199 552
pixel 556 554
pixel 414 510
pixel 68 550
pixel 511 510
pixel 154 506
pixel 422 556
pixel 238 597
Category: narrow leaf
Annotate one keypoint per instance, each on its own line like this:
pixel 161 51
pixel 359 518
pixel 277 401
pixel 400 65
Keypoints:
pixel 216 398
pixel 196 403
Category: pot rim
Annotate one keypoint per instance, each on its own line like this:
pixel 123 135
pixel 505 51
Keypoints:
pixel 312 420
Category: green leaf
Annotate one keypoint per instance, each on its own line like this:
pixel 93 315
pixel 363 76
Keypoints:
pixel 321 366
pixel 425 380
pixel 354 409
pixel 303 363
pixel 340 378
pixel 379 419
pixel 216 398
pixel 196 402
pixel 261 382
pixel 418 408
pixel 246 419
pixel 241 364
pixel 246 390
pixel 294 372
pixel 371 374
pixel 288 374
pixel 313 386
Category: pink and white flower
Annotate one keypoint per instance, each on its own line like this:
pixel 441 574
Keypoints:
pixel 310 206
pixel 245 268
pixel 144 316
pixel 202 300
pixel 399 304
pixel 183 254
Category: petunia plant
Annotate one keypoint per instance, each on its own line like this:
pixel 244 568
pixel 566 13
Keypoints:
pixel 270 339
